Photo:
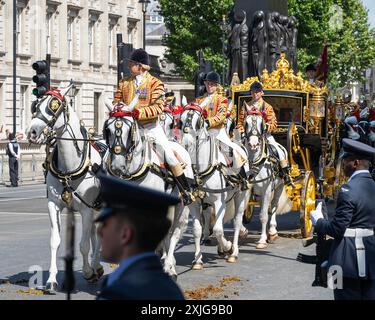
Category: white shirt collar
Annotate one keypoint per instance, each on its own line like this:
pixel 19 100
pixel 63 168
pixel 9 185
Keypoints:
pixel 138 79
pixel 357 172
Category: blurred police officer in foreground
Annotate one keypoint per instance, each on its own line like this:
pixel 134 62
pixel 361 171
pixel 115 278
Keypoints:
pixel 132 224
pixel 352 226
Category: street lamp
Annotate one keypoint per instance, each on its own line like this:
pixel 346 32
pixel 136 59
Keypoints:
pixel 224 28
pixel 144 10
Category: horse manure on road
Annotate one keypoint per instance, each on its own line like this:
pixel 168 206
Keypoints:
pixel 205 292
pixel 31 291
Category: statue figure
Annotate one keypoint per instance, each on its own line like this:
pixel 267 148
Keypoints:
pixel 259 43
pixel 292 43
pixel 283 24
pixel 238 49
pixel 273 32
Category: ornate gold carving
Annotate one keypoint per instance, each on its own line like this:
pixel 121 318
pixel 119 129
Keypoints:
pixel 283 78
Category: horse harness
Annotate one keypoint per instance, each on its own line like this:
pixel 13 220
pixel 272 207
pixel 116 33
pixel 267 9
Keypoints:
pixel 56 107
pixel 118 148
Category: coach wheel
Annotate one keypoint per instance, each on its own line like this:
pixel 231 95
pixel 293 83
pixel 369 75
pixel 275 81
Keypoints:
pixel 307 204
pixel 340 177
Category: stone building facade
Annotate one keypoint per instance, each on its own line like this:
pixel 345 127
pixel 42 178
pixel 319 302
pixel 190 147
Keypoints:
pixel 80 35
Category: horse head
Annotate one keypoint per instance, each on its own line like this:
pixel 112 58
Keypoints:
pixel 119 132
pixel 166 121
pixel 50 113
pixel 192 123
pixel 255 129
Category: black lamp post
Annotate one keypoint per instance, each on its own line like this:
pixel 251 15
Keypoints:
pixel 224 28
pixel 144 10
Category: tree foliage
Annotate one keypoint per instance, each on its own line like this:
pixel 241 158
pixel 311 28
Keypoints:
pixel 350 38
pixel 195 25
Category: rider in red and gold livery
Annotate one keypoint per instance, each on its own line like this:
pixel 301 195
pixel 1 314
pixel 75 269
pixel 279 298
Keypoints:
pixel 143 95
pixel 271 122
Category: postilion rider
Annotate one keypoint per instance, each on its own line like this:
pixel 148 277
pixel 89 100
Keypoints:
pixel 259 104
pixel 215 108
pixel 144 94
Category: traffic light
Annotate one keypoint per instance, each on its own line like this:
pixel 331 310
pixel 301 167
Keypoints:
pixel 42 78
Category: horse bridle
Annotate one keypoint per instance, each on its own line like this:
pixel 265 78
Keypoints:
pixel 118 147
pixel 55 108
pixel 163 117
pixel 192 109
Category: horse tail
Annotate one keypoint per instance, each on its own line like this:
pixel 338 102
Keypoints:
pixel 281 201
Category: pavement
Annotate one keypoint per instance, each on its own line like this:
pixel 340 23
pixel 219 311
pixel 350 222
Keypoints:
pixel 270 274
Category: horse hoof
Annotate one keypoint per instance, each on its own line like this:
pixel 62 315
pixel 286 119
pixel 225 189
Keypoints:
pixel 197 266
pixel 261 245
pixel 232 259
pixel 92 279
pixel 221 254
pixel 272 237
pixel 229 252
pixel 51 288
pixel 99 272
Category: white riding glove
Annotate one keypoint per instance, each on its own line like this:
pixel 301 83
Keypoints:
pixel 316 214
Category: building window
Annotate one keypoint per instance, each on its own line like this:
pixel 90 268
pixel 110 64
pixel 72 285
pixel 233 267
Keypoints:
pixel 111 31
pixel 96 110
pixel 2 26
pixel 70 37
pixel 49 32
pixel 19 29
pixel 23 108
pixel 92 37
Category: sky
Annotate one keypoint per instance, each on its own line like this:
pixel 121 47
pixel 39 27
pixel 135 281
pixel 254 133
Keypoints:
pixel 370 4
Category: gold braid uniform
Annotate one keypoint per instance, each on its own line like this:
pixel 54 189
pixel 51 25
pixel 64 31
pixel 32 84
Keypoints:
pixel 151 98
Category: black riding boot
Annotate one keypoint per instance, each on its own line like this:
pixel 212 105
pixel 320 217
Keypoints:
pixel 185 190
pixel 286 176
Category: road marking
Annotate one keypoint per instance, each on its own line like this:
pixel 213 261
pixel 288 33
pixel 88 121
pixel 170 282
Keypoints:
pixel 19 199
pixel 23 191
pixel 30 213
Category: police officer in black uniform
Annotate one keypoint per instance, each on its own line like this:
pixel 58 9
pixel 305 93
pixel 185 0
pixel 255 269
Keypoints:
pixel 352 226
pixel 132 224
pixel 14 152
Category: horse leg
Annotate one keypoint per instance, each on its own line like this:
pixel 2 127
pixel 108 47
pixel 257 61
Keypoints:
pixel 96 245
pixel 206 224
pixel 262 243
pixel 240 201
pixel 272 232
pixel 55 240
pixel 197 232
pixel 224 246
pixel 179 223
pixel 88 272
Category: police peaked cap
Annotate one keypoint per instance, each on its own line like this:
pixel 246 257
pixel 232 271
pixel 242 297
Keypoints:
pixel 213 77
pixel 310 67
pixel 140 56
pixel 256 86
pixel 119 195
pixel 357 149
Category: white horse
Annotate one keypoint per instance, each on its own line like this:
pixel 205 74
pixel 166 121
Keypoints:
pixel 268 187
pixel 210 181
pixel 71 183
pixel 132 157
